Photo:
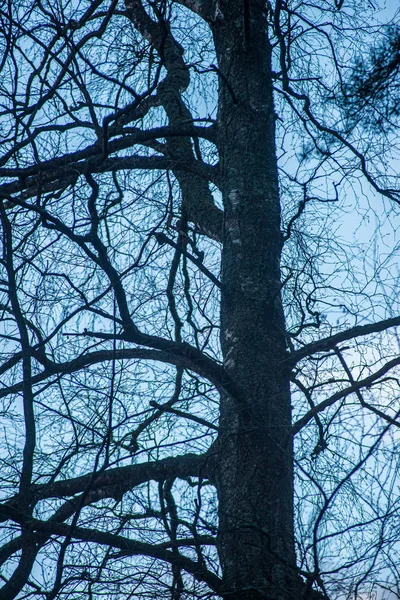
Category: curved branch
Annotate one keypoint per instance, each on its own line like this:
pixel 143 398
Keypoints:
pixel 130 547
pixel 358 385
pixel 330 342
pixel 113 482
pixel 197 200
pixel 202 8
pixel 127 477
pixel 166 351
pixel 52 172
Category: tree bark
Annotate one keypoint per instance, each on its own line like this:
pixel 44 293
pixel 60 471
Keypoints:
pixel 255 473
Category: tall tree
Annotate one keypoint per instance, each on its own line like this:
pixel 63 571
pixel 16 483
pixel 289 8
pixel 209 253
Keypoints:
pixel 179 305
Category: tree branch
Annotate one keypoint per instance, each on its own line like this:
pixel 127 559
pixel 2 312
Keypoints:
pixel 113 482
pixel 200 7
pixel 197 199
pixel 130 547
pixel 330 342
pixel 358 385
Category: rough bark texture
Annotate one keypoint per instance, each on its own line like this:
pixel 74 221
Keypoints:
pixel 256 541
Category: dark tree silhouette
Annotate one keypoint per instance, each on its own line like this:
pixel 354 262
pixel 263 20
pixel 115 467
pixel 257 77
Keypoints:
pixel 199 356
pixel 371 95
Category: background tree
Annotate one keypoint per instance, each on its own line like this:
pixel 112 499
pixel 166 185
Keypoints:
pixel 371 93
pixel 189 283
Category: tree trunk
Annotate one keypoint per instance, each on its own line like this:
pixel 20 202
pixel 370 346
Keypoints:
pixel 255 474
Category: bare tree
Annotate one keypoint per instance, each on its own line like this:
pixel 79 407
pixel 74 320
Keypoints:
pixel 198 267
